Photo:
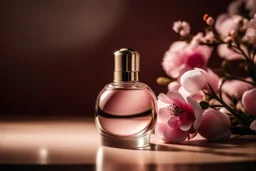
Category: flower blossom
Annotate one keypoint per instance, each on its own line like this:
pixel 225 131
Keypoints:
pixel 236 88
pixel 175 86
pixel 177 118
pixel 248 101
pixel 226 23
pixel 215 126
pixel 198 79
pixel 253 125
pixel 182 57
pixel 250 34
pixel 228 53
pixel 235 6
pixel 181 27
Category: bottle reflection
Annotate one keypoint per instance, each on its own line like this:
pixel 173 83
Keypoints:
pixel 109 159
pixel 43 154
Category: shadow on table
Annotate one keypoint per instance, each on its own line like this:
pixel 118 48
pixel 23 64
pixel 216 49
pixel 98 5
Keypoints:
pixel 228 148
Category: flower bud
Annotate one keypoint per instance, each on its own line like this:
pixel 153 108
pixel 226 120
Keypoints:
pixel 163 80
pixel 215 126
pixel 228 39
pixel 210 21
pixel 204 105
pixel 233 34
pixel 193 81
pixel 205 17
pixel 174 86
pixel 248 101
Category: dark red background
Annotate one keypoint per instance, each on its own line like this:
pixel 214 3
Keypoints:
pixel 57 55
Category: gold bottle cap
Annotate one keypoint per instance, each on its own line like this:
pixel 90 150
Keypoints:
pixel 126 65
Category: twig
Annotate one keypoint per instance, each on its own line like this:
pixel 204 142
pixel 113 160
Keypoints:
pixel 240 117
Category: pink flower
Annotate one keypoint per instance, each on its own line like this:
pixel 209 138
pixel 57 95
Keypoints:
pixel 234 7
pixel 225 23
pixel 215 126
pixel 182 57
pixel 198 79
pixel 253 125
pixel 175 86
pixel 249 101
pixel 235 87
pixel 250 34
pixel 229 54
pixel 177 118
pixel 181 27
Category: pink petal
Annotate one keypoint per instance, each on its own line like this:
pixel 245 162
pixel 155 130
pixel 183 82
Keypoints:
pixel 178 45
pixel 225 118
pixel 210 78
pixel 174 86
pixel 228 53
pixel 164 98
pixel 174 135
pixel 197 123
pixel 192 81
pixel 184 92
pixel 164 114
pixel 225 23
pixel 253 125
pixel 175 96
pixel 196 107
pixel 198 96
pixel 159 129
pixel 197 112
pixel 205 51
pixel 215 125
pixel 185 126
pixel 173 122
pixel 213 79
pixel 192 135
pixel 249 102
pixel 235 87
pixel 161 104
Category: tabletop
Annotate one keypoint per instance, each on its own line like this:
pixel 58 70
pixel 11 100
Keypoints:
pixel 74 144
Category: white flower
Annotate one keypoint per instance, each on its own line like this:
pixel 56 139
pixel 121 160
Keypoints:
pixel 250 34
pixel 181 27
pixel 225 23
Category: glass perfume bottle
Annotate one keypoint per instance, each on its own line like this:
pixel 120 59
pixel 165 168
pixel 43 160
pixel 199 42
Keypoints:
pixel 125 110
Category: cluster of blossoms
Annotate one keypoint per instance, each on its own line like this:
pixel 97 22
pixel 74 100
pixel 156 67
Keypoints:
pixel 205 100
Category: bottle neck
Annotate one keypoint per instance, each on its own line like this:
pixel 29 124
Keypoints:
pixel 126 76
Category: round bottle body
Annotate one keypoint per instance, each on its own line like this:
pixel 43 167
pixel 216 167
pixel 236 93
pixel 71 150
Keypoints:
pixel 125 114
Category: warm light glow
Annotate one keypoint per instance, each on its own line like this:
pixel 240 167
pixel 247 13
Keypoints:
pixel 43 155
pixel 78 142
pixel 41 141
pixel 99 159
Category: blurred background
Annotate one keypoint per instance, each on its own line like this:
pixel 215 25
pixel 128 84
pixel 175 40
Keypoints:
pixel 56 55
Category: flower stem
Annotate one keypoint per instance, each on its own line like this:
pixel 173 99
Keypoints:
pixel 216 106
pixel 238 116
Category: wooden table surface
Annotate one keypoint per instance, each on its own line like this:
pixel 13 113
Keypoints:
pixel 74 144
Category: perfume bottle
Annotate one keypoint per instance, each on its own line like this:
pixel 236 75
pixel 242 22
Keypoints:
pixel 125 110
